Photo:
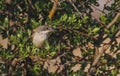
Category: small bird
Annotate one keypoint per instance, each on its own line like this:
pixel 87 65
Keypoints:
pixel 40 35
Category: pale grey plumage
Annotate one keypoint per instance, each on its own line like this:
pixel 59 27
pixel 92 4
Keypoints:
pixel 41 35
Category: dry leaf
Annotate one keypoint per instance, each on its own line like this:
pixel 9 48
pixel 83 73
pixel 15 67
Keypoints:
pixel 12 47
pixel 118 37
pixel 87 68
pixel 0 38
pixel 107 40
pixel 53 65
pixel 4 42
pixel 76 67
pixel 118 40
pixel 90 45
pixel 98 9
pixel 52 68
pixel 12 22
pixel 77 52
pixel 1 60
pixel 14 62
pixel 8 2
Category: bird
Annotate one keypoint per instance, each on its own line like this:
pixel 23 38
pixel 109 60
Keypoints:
pixel 40 35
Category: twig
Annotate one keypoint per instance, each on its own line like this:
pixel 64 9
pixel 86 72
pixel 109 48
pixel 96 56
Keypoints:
pixel 5 12
pixel 30 2
pixel 75 31
pixel 114 20
pixel 18 6
pixel 96 8
pixel 75 8
pixel 96 53
pixel 84 29
pixel 99 55
pixel 102 24
pixel 53 10
pixel 101 51
pixel 93 68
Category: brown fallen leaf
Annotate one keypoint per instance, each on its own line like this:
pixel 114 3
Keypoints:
pixel 86 69
pixel 77 52
pixel 53 66
pixel 2 60
pixel 76 67
pixel 4 42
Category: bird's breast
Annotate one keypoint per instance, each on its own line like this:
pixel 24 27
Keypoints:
pixel 39 39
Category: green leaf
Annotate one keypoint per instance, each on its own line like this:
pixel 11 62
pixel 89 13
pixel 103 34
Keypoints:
pixel 103 18
pixel 6 22
pixel 96 29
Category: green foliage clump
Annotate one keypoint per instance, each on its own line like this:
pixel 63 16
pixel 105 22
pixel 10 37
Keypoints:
pixel 83 43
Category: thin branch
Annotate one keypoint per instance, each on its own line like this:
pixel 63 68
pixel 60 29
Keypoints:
pixel 97 8
pixel 93 68
pixel 71 2
pixel 96 52
pixel 101 51
pixel 18 6
pixel 102 24
pixel 100 54
pixel 84 29
pixel 5 12
pixel 75 31
pixel 114 20
pixel 30 2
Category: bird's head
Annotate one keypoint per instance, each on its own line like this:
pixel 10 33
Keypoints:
pixel 45 29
